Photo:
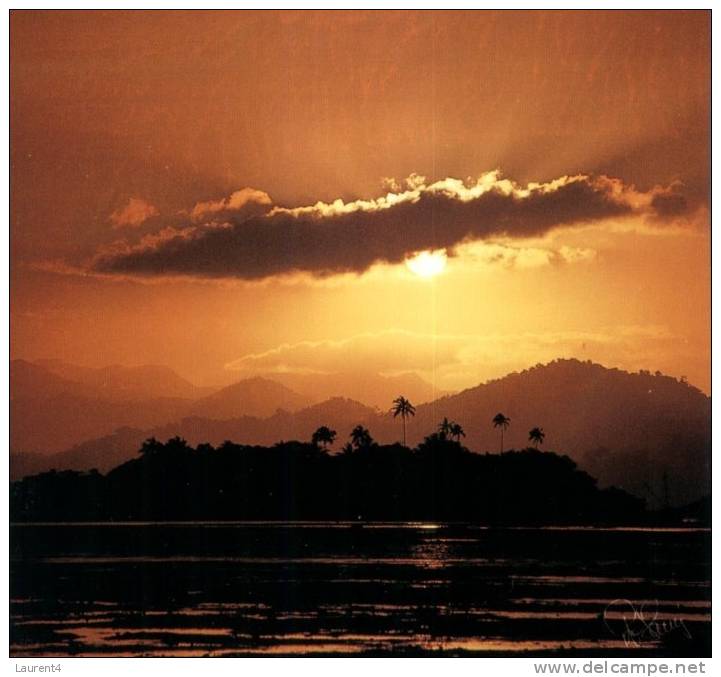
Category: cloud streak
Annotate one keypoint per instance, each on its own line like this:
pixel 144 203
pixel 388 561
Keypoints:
pixel 349 237
pixel 133 214
pixel 463 358
pixel 246 199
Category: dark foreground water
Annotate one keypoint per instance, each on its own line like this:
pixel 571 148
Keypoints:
pixel 230 589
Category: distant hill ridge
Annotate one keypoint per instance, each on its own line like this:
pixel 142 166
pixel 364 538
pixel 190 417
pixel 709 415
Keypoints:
pixel 136 382
pixel 56 405
pixel 375 390
pixel 259 397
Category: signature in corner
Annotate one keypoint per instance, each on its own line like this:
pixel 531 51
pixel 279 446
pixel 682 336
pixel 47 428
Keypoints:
pixel 641 623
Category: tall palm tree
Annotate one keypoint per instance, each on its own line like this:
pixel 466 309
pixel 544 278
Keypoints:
pixel 360 437
pixel 403 408
pixel 457 431
pixel 324 435
pixel 536 436
pixel 502 422
pixel 445 428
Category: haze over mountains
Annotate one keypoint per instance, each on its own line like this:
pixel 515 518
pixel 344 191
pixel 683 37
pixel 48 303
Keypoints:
pixel 55 405
pixel 50 412
pixel 648 433
pixel 371 389
pixel 126 383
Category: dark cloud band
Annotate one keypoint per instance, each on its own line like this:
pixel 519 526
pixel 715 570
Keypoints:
pixel 339 238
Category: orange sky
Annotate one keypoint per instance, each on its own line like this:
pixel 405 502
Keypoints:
pixel 134 133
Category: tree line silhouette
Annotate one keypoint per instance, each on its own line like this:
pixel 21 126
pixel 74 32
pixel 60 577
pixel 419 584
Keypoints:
pixel 440 479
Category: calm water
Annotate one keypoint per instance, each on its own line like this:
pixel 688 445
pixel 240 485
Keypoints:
pixel 229 589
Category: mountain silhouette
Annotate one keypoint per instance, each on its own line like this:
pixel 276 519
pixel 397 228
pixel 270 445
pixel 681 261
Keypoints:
pixel 374 390
pixel 251 397
pixel 626 429
pixel 117 382
pixel 337 413
pixel 106 452
pixel 32 381
pixel 56 405
pixel 49 413
pixel 647 433
pixel 102 453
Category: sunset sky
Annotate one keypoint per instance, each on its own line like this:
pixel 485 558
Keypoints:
pixel 235 193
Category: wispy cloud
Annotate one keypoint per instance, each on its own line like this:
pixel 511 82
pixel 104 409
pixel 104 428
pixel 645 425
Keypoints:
pixel 522 255
pixel 246 200
pixel 136 212
pixel 455 360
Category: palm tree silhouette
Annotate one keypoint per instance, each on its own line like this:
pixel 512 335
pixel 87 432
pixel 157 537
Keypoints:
pixel 445 428
pixel 324 435
pixel 502 422
pixel 403 408
pixel 360 437
pixel 456 431
pixel 536 436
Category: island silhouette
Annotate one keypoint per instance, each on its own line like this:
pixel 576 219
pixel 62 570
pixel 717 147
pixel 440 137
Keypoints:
pixel 440 479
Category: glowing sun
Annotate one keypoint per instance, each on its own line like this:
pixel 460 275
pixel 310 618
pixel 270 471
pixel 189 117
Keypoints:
pixel 427 263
